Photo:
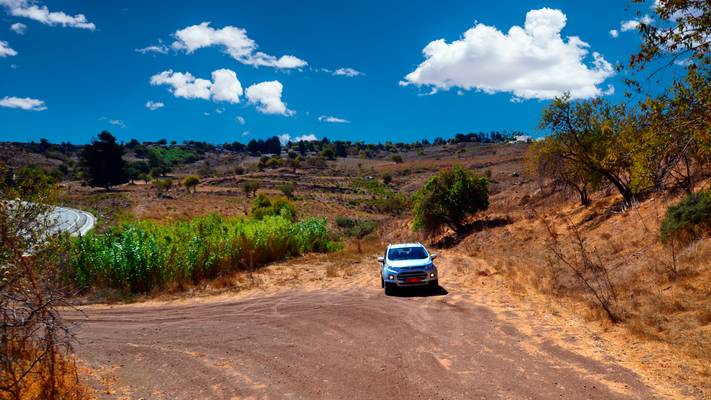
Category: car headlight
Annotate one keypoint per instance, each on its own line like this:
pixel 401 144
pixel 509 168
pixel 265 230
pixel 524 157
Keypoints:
pixel 432 274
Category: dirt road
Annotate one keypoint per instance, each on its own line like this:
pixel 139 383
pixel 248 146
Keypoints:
pixel 335 344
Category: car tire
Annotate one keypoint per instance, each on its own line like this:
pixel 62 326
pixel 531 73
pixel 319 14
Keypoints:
pixel 389 289
pixel 382 282
pixel 433 285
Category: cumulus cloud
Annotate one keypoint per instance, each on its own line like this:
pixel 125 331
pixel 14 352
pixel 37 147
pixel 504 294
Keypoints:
pixel 336 120
pixel 154 105
pixel 23 103
pixel 29 9
pixel 241 120
pixel 349 72
pixel 614 33
pixel 224 85
pixel 6 50
pixel 532 62
pixel 18 28
pixel 267 97
pixel 634 23
pixel 117 122
pixel 286 138
pixel 235 42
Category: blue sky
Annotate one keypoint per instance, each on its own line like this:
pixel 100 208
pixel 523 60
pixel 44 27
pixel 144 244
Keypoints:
pixel 72 76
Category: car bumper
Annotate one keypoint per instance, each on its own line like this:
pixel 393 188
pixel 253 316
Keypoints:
pixel 408 281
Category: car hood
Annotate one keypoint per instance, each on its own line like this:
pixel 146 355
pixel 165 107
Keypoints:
pixel 423 262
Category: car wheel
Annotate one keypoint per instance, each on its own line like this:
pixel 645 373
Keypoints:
pixel 389 289
pixel 434 285
pixel 382 282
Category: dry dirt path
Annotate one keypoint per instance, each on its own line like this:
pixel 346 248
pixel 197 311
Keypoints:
pixel 350 343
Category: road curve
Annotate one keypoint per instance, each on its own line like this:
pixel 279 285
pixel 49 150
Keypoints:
pixel 354 344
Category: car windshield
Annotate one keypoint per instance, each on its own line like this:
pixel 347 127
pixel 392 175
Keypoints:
pixel 407 253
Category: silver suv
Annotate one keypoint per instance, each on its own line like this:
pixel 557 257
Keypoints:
pixel 407 264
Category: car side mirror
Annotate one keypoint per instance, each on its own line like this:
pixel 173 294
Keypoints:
pixel 381 259
pixel 433 256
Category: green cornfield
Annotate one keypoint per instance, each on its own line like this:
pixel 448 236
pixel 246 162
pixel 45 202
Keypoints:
pixel 143 256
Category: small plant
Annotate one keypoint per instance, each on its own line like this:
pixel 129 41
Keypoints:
pixel 250 187
pixel 688 220
pixel 396 158
pixel 190 182
pixel 239 170
pixel 387 179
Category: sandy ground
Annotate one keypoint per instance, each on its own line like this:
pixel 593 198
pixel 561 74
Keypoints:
pixel 311 330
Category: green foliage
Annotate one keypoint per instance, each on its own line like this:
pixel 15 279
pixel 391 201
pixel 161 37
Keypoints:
pixel 174 155
pixel 264 206
pixel 387 178
pixel 190 182
pixel 396 158
pixel 688 220
pixel 448 198
pixel 357 228
pixel 383 198
pixel 287 189
pixel 162 185
pixel 102 161
pixel 139 257
pixel 250 187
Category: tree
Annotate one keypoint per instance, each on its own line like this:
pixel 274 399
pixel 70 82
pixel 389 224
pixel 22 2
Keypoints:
pixel 250 187
pixel 448 198
pixel 287 189
pixel 190 182
pixel 597 139
pixel 103 163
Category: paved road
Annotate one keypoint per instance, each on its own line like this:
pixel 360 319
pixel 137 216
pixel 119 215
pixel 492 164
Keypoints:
pixel 344 344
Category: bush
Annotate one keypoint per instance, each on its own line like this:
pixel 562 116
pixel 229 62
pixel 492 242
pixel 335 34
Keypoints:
pixel 448 198
pixel 190 182
pixel 250 187
pixel 357 228
pixel 396 158
pixel 239 170
pixel 287 189
pixel 688 220
pixel 387 178
pixel 265 206
pixel 140 257
pixel 162 185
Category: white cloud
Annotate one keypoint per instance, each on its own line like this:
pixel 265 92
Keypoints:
pixel 532 62
pixel 328 118
pixel 236 43
pixel 6 50
pixel 29 9
pixel 633 24
pixel 18 28
pixel 614 33
pixel 219 110
pixel 224 85
pixel 23 103
pixel 349 72
pixel 159 48
pixel 245 133
pixel 117 122
pixel 286 138
pixel 241 120
pixel 154 105
pixel 267 97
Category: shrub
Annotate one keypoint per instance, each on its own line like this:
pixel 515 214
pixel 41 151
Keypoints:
pixel 139 257
pixel 250 187
pixel 688 220
pixel 448 198
pixel 357 228
pixel 387 178
pixel 265 206
pixel 190 182
pixel 239 170
pixel 287 189
pixel 396 158
pixel 162 185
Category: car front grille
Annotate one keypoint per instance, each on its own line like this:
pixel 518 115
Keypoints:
pixel 412 274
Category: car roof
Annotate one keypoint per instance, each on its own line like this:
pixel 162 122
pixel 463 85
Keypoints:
pixel 401 245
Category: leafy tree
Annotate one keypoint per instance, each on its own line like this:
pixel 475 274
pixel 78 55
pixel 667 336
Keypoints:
pixel 102 161
pixel 250 187
pixel 162 185
pixel 287 189
pixel 448 198
pixel 159 167
pixel 190 182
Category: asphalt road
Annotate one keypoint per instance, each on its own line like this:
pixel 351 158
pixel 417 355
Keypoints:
pixel 342 344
